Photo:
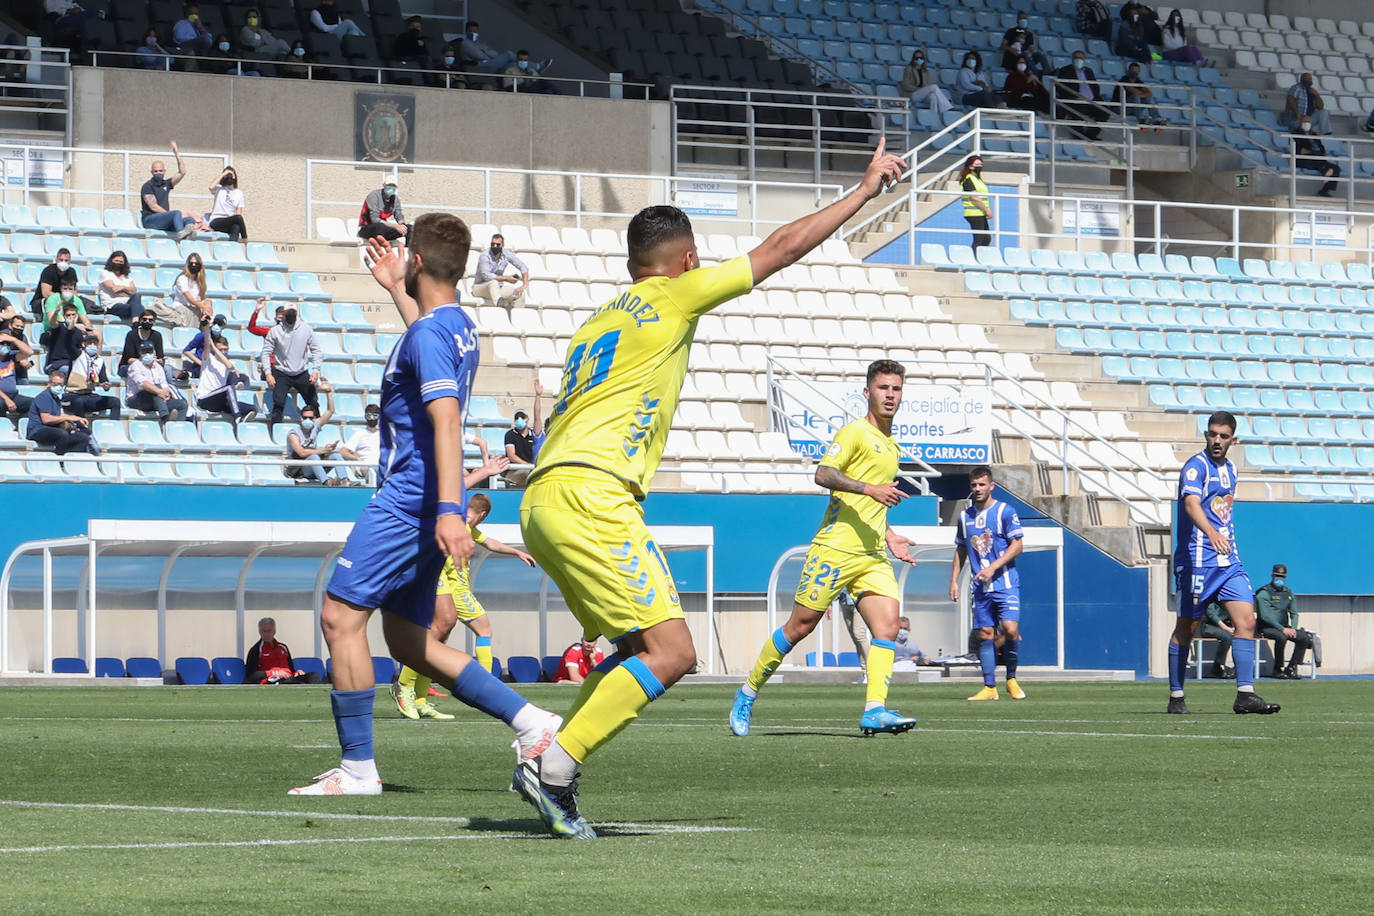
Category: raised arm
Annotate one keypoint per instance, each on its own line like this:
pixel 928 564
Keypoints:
pixel 328 414
pixel 181 169
pixel 490 467
pixel 389 270
pixel 790 243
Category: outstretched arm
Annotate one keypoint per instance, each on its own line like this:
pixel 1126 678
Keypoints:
pixel 496 546
pixel 389 270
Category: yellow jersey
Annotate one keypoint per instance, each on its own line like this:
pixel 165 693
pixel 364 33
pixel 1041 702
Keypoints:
pixel 453 580
pixel 625 369
pixel 855 523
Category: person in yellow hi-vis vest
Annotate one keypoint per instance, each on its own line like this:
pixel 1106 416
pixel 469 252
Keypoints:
pixel 977 210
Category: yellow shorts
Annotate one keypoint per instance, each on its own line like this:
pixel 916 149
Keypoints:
pixel 587 532
pixel 454 582
pixel 827 572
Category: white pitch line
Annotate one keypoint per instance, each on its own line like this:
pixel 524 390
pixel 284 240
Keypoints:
pixel 968 731
pixel 232 843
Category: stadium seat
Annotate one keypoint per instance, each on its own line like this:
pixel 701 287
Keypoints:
pixel 549 665
pixel 192 670
pixel 310 664
pixel 496 670
pixel 228 670
pixel 143 666
pixel 848 659
pixel 69 665
pixel 109 666
pixel 385 669
pixel 524 669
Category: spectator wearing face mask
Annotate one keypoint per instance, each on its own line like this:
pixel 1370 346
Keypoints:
pixel 256 40
pixel 1020 42
pixel 217 391
pixel 365 444
pixel 291 360
pixel 1144 20
pixel 491 282
pixel 63 342
pixel 519 449
pixel 382 214
pixel 189 302
pixel 50 280
pixel 151 54
pixel 157 212
pixel 142 332
pixel 1130 37
pixel 1023 90
pixel 976 201
pixel 15 356
pixel 193 354
pixel 226 60
pixel 456 78
pixel 226 214
pixel 66 295
pixel 117 293
pixel 971 88
pixel 51 427
pixel 87 379
pixel 149 390
pixel 190 34
pixel 522 76
pixel 906 654
pixel 1176 46
pixel 1079 95
pixel 303 444
pixel 1304 103
pixel 919 86
pixel 409 49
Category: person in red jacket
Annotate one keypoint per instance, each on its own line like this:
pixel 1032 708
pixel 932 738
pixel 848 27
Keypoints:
pixel 262 329
pixel 269 661
pixel 578 662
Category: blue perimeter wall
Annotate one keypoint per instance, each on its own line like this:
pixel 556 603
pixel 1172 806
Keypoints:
pixel 1106 604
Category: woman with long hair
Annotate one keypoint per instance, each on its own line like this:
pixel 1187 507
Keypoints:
pixel 226 214
pixel 1175 41
pixel 117 292
pixel 977 209
pixel 189 302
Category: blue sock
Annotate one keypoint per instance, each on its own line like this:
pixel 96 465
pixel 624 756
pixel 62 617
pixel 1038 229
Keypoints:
pixel 353 721
pixel 1243 654
pixel 987 656
pixel 1011 655
pixel 1177 666
pixel 477 687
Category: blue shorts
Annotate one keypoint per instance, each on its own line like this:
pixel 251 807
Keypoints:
pixel 991 608
pixel 391 564
pixel 1198 588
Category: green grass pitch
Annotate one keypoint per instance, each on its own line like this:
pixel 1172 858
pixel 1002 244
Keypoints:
pixel 1083 799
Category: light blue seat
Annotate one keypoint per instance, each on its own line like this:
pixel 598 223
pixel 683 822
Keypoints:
pixel 307 285
pixel 348 406
pixel 273 282
pixel 1152 264
pixel 1360 273
pixel 1190 397
pixel 1322 429
pixel 1060 285
pixel 184 437
pixel 1164 396
pixel 147 435
pixel 263 256
pixel 329 343
pixel 1125 262
pixel 1024 310
pixel 1323 322
pixel 1282 270
pixel 1260 456
pixel 1043 259
pixel 94 248
pixel 86 220
pixel 1143 368
pixel 990 257
pixel 1117 288
pixel 1245 399
pixel 1069 338
pixel 1282 373
pixel 1071 261
pixel 122 222
pixel 18 217
pixel 934 255
pixel 54 243
pixel 239 281
pixel 230 473
pixel 1090 287
pixel 962 256
pixel 1097 262
pixel 1017 259
pixel 164 251
pixel 1007 284
pixel 1107 313
pixel 1300 399
pixel 54 219
pixel 230 254
pixel 350 315
pixel 1033 284
pixel 112 436
pixel 220 438
pixel 195 471
pixel 1306 373
pixel 1230 268
pixel 1125 340
pixel 369 376
pixel 1261 427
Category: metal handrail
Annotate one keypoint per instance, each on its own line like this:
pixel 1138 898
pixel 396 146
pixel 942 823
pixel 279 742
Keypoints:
pixel 127 193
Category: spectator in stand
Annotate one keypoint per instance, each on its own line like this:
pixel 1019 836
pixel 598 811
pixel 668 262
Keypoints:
pixel 977 206
pixel 476 54
pixel 302 444
pixel 193 354
pixel 1092 19
pixel 227 61
pixel 519 449
pixel 1175 42
pixel 522 76
pixel 256 40
pixel 189 34
pixel 50 426
pixel 148 389
pixel 151 54
pixel 226 214
pixel 157 212
pixel 291 360
pixel 490 275
pixel 578 661
pixel 55 305
pixel 456 78
pixel 117 293
pixel 971 88
pixel 1311 153
pixel 141 333
pixel 1143 18
pixel 906 654
pixel 1216 624
pixel 1024 91
pixel 1305 104
pixel 218 389
pixel 1276 610
pixel 325 18
pixel 382 214
pixel 409 48
pixel 365 444
pixel 261 329
pixel 1079 95
pixel 1020 42
pixel 919 86
pixel 1137 99
pixel 50 280
pixel 15 356
pixel 270 662
pixel 64 342
pixel 1130 37
pixel 189 303
pixel 88 374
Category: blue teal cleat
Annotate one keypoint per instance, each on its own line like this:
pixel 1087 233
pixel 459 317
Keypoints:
pixel 885 720
pixel 741 712
pixel 557 805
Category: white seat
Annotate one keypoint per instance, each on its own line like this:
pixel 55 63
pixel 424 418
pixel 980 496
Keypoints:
pixel 543 351
pixel 1264 60
pixel 1319 43
pixel 681 446
pixel 508 350
pixel 1249 38
pixel 607 242
pixel 1364 47
pixel 1284 79
pixel 1269 40
pixel 1351 105
pixel 1329 83
pixel 695 415
pixel 1211 17
pixel 1304 24
pixel 1335 63
pixel 1326 26
pixel 1295 40
pixel 1290 61
pixel 1279 21
pixel 517 237
pixel 1314 63
pixel 591 267
pixel 1247 60
pixel 1257 20
pixel 1342 44
pixel 1359 64
pixel 494 320
pixel 578 241
pixel 334 230
pixel 745 385
pixel 546 239
pixel 725 356
pixel 1348 27
pixel 1353 84
pixel 1228 38
pixel 1234 19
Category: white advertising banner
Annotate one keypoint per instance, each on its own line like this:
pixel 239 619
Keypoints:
pixel 706 195
pixel 1329 227
pixel 939 423
pixel 1092 217
pixel 43 169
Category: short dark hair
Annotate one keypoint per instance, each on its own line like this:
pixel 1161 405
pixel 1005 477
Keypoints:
pixel 471 24
pixel 654 226
pixel 979 472
pixel 480 501
pixel 442 241
pixel 1223 418
pixel 884 367
pixel 62 251
pixel 522 51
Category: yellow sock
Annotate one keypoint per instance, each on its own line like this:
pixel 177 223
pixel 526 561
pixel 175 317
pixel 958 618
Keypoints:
pixel 774 650
pixel 408 676
pixel 588 685
pixel 879 670
pixel 608 707
pixel 483 655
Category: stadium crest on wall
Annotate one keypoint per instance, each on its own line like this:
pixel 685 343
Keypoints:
pixel 384 127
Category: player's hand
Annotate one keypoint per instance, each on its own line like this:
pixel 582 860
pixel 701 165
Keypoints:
pixel 901 548
pixel 883 169
pixel 954 591
pixel 885 493
pixel 385 261
pixel 497 464
pixel 525 558
pixel 983 575
pixel 1220 543
pixel 454 539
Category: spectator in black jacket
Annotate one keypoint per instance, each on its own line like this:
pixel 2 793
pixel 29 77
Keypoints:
pixel 1079 95
pixel 1091 18
pixel 143 330
pixel 270 662
pixel 64 341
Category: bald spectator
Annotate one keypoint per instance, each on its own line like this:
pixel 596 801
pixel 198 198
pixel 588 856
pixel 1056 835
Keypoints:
pixel 157 212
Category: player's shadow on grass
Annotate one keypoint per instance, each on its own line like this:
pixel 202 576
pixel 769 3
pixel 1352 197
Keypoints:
pixel 538 831
pixel 396 787
pixel 808 734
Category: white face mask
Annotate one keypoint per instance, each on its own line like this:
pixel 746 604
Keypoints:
pixel 63 265
pixel 307 424
pixel 1306 125
pixel 1020 68
pixel 148 359
pixel 1079 63
pixel 224 46
pixel 902 634
pixel 971 64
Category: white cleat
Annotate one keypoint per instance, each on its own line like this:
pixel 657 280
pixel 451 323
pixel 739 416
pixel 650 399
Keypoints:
pixel 337 782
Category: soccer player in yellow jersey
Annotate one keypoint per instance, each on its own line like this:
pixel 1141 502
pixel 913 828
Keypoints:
pixel 581 516
pixel 850 552
pixel 455 602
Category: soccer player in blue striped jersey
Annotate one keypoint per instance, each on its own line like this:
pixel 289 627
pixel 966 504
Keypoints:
pixel 989 537
pixel 1207 566
pixel 417 518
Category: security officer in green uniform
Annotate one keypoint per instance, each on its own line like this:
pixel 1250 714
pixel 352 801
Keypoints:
pixel 1277 610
